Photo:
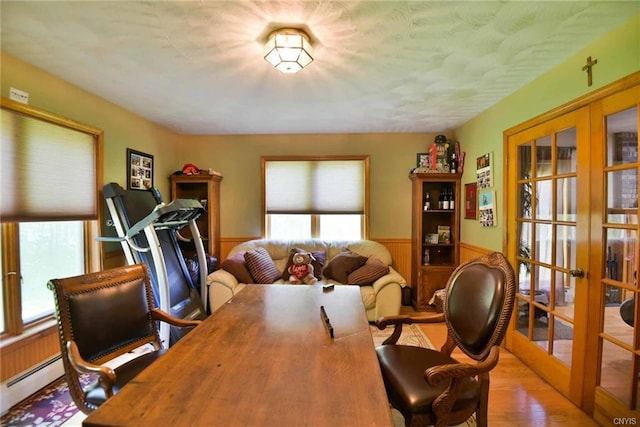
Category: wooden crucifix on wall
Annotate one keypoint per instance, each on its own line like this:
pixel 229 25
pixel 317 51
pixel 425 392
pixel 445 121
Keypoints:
pixel 589 69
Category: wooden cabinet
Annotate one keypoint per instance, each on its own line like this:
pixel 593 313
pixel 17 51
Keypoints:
pixel 435 234
pixel 206 189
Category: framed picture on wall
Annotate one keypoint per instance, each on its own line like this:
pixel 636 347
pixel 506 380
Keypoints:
pixel 423 160
pixel 139 170
pixel 484 171
pixel 487 208
pixel 471 200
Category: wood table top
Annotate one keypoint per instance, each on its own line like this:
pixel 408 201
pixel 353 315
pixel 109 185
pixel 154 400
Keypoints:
pixel 265 358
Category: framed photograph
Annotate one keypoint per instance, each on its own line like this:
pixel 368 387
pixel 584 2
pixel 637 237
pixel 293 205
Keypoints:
pixel 444 234
pixel 471 200
pixel 423 160
pixel 487 208
pixel 139 170
pixel 484 171
pixel 431 239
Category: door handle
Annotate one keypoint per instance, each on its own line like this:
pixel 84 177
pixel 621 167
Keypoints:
pixel 578 272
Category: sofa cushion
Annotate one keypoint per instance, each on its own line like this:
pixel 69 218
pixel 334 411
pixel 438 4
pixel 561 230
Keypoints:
pixel 368 273
pixel 261 266
pixel 319 259
pixel 342 264
pixel 238 267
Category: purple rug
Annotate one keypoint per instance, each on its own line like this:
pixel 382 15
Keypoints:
pixel 51 406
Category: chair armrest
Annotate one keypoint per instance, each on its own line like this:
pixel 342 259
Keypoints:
pixel 456 371
pixel 106 375
pixel 401 319
pixel 163 316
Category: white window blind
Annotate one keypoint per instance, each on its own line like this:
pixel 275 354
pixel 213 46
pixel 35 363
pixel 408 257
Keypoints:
pixel 315 186
pixel 47 171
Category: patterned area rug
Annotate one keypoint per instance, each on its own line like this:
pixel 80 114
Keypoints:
pixel 50 407
pixel 411 335
pixel 53 406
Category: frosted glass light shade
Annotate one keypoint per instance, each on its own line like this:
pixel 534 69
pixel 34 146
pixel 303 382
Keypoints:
pixel 289 50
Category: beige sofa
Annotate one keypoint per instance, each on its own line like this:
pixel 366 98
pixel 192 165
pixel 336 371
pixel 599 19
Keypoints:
pixel 381 298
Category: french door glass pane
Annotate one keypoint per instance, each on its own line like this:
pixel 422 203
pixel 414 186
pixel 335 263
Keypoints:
pixel 524 163
pixel 566 154
pixel 616 369
pixel 622 253
pixel 563 340
pixel 622 191
pixel 567 199
pixel 622 137
pixel 544 199
pixel 544 242
pixel 48 250
pixel 543 157
pixel 525 200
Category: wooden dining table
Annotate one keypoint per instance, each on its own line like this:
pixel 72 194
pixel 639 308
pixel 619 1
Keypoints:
pixel 265 358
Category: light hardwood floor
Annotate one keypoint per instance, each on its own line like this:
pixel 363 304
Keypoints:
pixel 517 396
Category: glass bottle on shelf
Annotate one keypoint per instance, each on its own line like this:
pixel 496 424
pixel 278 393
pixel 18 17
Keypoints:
pixel 452 202
pixel 445 201
pixel 427 202
pixel 453 163
pixel 425 260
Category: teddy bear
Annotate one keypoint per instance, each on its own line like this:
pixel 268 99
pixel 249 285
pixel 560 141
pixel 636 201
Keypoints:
pixel 301 271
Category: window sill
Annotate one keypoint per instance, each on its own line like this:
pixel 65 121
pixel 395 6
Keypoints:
pixel 32 332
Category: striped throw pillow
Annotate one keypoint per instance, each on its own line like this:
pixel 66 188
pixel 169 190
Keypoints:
pixel 261 266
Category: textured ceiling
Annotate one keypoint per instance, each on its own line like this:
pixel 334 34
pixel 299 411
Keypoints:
pixel 380 66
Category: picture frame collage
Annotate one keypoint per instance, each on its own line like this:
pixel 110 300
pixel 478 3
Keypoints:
pixel 479 198
pixel 139 170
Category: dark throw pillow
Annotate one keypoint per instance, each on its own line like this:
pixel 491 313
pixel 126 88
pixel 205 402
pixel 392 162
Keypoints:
pixel 238 267
pixel 368 273
pixel 341 265
pixel 318 262
pixel 261 266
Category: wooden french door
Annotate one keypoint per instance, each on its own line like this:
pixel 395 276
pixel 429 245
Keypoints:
pixel 572 236
pixel 548 229
pixel 613 361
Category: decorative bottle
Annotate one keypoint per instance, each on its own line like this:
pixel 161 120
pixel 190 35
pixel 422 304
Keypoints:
pixel 445 202
pixel 453 163
pixel 425 260
pixel 427 202
pixel 452 200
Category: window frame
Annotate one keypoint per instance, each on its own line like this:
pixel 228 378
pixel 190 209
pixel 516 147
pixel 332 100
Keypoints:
pixel 10 262
pixel 315 218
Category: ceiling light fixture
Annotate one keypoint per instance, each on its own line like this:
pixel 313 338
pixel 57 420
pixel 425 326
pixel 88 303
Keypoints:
pixel 288 49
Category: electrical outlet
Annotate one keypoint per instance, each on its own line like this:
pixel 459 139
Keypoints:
pixel 19 95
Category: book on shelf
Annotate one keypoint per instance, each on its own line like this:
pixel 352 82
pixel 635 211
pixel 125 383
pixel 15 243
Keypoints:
pixel 444 234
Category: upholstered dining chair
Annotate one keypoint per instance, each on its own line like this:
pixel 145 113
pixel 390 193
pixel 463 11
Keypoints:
pixel 102 316
pixel 429 387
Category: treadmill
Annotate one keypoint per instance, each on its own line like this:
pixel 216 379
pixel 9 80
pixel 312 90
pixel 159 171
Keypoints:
pixel 148 231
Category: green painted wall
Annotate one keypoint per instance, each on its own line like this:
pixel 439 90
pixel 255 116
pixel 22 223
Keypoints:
pixel 618 55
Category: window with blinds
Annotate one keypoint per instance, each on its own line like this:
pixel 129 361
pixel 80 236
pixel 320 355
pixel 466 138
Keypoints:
pixel 313 197
pixel 48 171
pixel 50 175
